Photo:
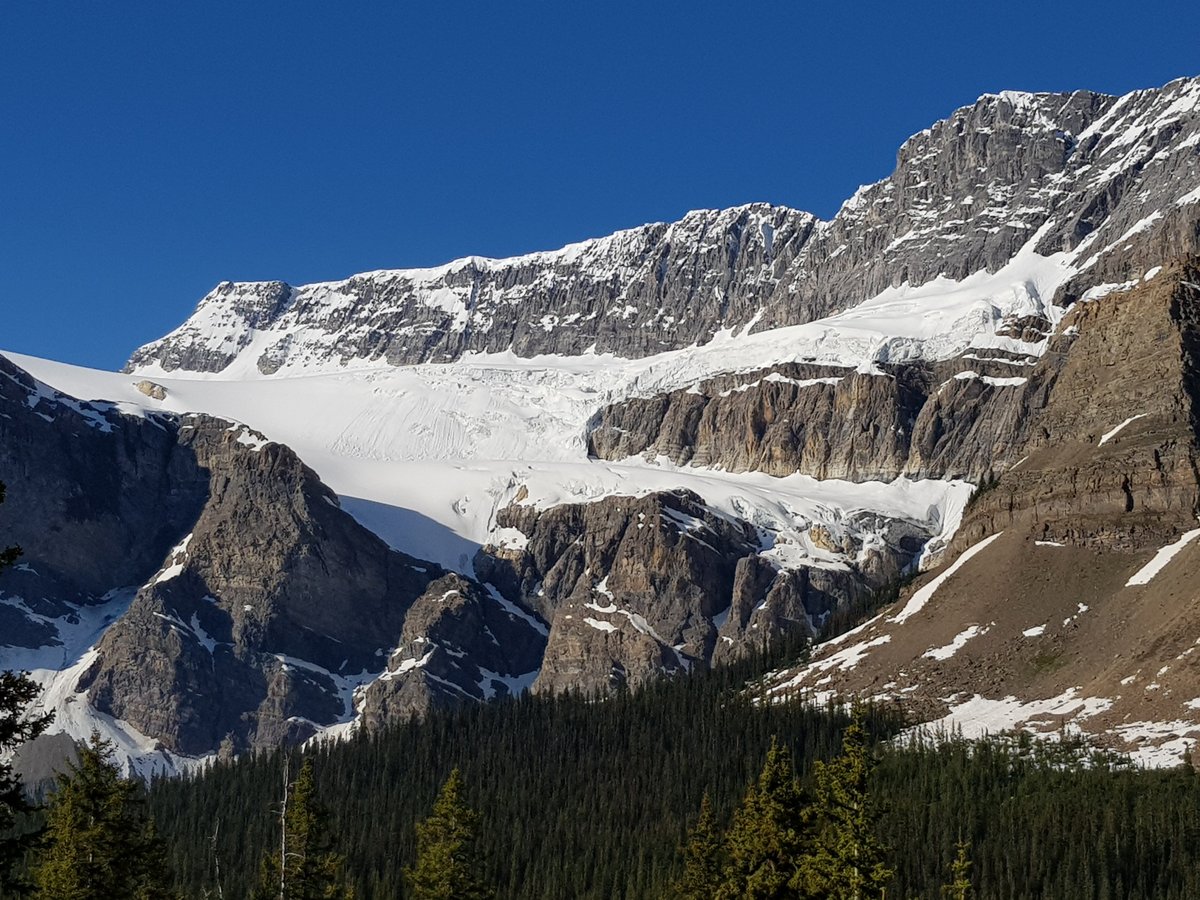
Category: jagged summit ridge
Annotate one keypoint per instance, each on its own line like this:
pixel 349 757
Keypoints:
pixel 633 290
pixel 1112 180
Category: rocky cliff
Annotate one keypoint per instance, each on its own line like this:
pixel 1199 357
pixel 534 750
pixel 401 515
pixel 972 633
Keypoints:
pixel 1069 599
pixel 635 587
pixel 948 420
pixel 1110 180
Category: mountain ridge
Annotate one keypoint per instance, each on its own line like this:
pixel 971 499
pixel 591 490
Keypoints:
pixel 1002 165
pixel 643 453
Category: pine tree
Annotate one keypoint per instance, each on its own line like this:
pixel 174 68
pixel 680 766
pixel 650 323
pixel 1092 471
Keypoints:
pixel 768 835
pixel 17 726
pixel 17 693
pixel 702 858
pixel 847 860
pixel 447 864
pixel 311 869
pixel 959 887
pixel 9 555
pixel 99 844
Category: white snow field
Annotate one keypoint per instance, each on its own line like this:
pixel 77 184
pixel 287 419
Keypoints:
pixel 425 454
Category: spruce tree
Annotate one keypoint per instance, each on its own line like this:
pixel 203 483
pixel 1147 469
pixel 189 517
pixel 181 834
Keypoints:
pixel 8 555
pixel 703 858
pixel 768 835
pixel 17 726
pixel 305 866
pixel 447 863
pixel 17 693
pixel 99 844
pixel 959 887
pixel 847 860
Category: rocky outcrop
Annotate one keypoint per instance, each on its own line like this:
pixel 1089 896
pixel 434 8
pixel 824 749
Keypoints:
pixel 637 587
pixel 459 643
pixel 1105 453
pixel 629 585
pixel 926 421
pixel 1052 172
pixel 272 596
pixel 95 499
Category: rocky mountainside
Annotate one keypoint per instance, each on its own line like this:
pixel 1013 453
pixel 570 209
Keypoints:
pixel 1071 600
pixel 190 587
pixel 1110 180
pixel 233 600
pixel 643 454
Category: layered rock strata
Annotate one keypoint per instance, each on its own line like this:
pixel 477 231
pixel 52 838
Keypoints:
pixel 637 587
pixel 1110 179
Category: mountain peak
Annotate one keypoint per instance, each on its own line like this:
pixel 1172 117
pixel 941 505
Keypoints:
pixel 1076 170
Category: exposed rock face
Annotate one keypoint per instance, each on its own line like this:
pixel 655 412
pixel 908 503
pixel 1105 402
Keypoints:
pixel 1049 615
pixel 152 390
pixel 1109 431
pixel 459 643
pixel 274 591
pixel 923 421
pixel 638 291
pixel 636 587
pixel 1060 170
pixel 95 499
pixel 629 585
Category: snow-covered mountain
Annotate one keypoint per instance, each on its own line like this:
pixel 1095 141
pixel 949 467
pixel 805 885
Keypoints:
pixel 632 456
pixel 1107 181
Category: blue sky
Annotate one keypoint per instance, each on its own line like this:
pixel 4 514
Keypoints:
pixel 150 150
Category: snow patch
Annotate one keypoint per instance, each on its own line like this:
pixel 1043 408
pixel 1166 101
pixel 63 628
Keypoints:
pixel 1146 573
pixel 1109 435
pixel 918 600
pixel 959 641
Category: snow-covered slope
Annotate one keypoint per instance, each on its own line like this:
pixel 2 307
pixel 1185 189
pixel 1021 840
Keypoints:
pixel 426 455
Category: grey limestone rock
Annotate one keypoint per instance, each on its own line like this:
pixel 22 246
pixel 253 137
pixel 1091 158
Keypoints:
pixel 1111 179
pixel 635 587
pixel 460 643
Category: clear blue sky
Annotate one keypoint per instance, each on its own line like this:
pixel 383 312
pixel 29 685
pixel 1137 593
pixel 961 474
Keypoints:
pixel 150 150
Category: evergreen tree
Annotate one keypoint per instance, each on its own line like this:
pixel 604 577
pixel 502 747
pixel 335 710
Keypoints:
pixel 99 844
pixel 17 694
pixel 310 868
pixel 447 863
pixel 768 835
pixel 959 887
pixel 702 857
pixel 847 860
pixel 9 555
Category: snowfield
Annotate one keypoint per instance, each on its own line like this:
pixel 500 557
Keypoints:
pixel 425 455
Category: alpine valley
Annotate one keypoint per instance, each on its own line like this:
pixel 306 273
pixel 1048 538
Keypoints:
pixel 315 509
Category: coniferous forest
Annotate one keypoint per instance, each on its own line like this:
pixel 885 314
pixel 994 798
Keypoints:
pixel 569 797
pixel 584 799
